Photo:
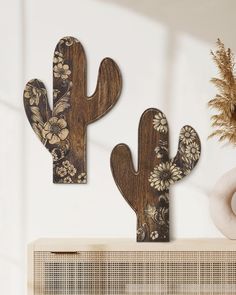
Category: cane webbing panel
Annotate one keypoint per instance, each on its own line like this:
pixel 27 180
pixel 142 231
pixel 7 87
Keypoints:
pixel 135 272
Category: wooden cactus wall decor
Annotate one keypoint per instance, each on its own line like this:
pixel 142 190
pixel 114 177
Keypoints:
pixel 63 129
pixel 147 189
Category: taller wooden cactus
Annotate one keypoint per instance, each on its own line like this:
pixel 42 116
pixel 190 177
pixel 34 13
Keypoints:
pixel 63 129
pixel 147 189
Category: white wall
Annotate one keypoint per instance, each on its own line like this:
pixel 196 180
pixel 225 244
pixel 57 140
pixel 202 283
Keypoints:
pixel 162 48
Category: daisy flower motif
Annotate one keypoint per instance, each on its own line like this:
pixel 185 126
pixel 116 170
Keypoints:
pixel 164 175
pixel 187 135
pixel 160 123
pixel 192 152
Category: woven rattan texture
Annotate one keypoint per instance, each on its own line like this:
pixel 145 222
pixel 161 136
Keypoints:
pixel 143 273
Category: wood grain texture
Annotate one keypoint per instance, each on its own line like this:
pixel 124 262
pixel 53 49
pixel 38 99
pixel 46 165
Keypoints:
pixel 147 189
pixel 63 130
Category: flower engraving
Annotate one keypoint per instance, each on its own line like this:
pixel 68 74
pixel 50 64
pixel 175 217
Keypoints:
pixel 33 94
pixel 61 71
pixel 160 123
pixel 57 154
pixel 164 175
pixel 71 170
pixel 192 152
pixel 154 235
pixel 61 171
pixel 141 232
pixel 55 130
pixel 82 178
pixel 187 135
pixel 58 57
pixel 67 180
pixel 162 149
pixel 66 169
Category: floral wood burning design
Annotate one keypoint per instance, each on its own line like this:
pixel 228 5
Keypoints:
pixel 147 189
pixel 63 129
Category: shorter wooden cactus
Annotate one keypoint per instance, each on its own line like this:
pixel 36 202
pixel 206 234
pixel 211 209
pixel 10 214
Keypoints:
pixel 63 130
pixel 147 189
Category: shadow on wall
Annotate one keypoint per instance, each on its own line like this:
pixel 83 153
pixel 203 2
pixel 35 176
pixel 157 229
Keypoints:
pixel 206 20
pixel 201 19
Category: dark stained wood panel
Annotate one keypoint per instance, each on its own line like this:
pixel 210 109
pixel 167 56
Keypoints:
pixel 147 189
pixel 63 130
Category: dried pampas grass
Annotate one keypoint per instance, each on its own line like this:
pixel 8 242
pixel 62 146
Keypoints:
pixel 225 101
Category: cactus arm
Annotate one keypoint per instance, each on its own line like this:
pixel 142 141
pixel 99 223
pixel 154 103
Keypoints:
pixel 189 149
pixel 124 173
pixel 107 90
pixel 37 108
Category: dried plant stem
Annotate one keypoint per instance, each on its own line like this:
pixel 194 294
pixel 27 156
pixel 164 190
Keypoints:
pixel 224 102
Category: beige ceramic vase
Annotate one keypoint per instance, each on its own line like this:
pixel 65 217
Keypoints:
pixel 221 204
